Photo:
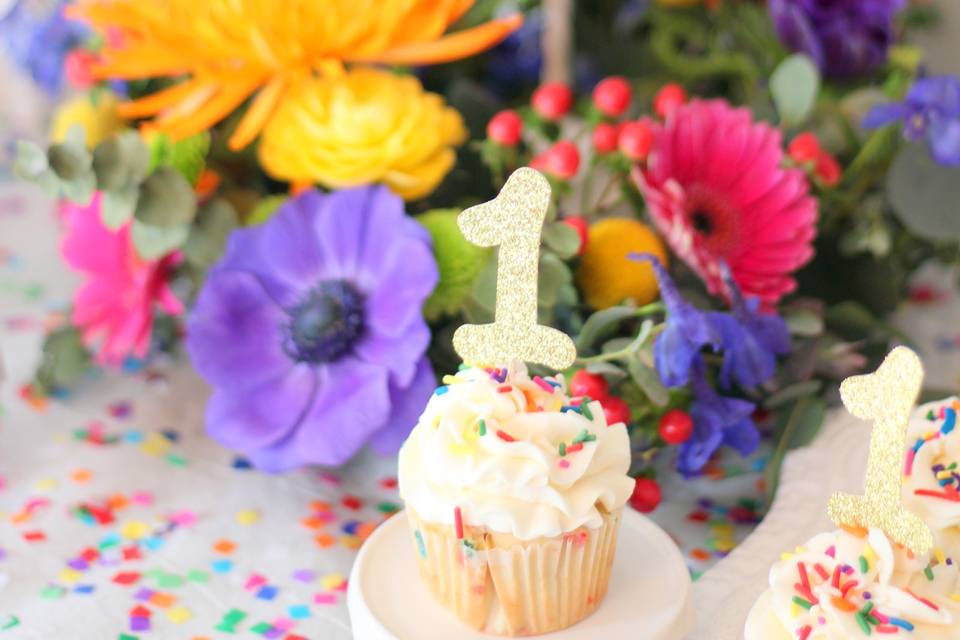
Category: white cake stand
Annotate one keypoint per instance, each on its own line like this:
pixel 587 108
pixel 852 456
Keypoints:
pixel 648 598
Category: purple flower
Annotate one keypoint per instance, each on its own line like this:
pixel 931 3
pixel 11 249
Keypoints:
pixel 688 330
pixel 37 37
pixel 751 339
pixel 931 110
pixel 844 37
pixel 716 421
pixel 310 331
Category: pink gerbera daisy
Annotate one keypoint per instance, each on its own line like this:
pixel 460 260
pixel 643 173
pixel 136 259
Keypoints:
pixel 114 306
pixel 716 188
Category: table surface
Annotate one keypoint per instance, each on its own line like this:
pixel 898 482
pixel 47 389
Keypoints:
pixel 119 518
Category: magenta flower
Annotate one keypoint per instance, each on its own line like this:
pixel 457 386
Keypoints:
pixel 310 330
pixel 114 307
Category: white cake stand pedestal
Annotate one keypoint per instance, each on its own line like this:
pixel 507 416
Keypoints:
pixel 648 598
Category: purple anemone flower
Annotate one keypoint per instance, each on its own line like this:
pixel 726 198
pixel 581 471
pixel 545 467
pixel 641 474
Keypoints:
pixel 688 329
pixel 751 339
pixel 717 420
pixel 310 330
pixel 930 110
pixel 844 37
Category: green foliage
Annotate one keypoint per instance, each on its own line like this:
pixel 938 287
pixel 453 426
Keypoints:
pixel 458 261
pixel 188 156
pixel 64 170
pixel 65 360
pixel 796 427
pixel 794 86
pixel 924 194
pixel 208 235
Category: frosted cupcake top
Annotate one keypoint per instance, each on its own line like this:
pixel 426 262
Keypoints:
pixel 847 585
pixel 515 454
pixel 931 470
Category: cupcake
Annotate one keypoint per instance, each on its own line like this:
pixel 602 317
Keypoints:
pixel 931 471
pixel 514 493
pixel 852 584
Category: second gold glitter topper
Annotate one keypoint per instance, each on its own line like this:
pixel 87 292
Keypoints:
pixel 886 397
pixel 513 221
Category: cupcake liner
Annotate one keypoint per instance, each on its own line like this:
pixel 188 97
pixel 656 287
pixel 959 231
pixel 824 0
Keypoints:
pixel 500 584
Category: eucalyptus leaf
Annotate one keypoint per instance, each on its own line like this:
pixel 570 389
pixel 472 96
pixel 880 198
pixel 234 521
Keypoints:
pixel 924 194
pixel 208 237
pixel 554 274
pixel 600 324
pixel 117 207
pixel 608 370
pixel 31 160
pixel 562 239
pixel 108 164
pixel 65 359
pixel 649 381
pixel 797 427
pixel 794 85
pixel 155 242
pixel 804 322
pixel 80 189
pixel 69 162
pixel 166 199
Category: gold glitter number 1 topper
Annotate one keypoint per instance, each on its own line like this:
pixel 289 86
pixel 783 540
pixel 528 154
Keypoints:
pixel 886 397
pixel 513 220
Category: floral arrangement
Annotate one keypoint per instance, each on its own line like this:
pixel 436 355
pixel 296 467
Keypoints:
pixel 741 192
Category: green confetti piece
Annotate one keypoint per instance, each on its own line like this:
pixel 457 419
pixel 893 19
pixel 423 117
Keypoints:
pixel 170 581
pixel 51 592
pixel 483 428
pixel 127 636
pixel 928 572
pixel 33 291
pixel 12 622
pixel 196 575
pixel 864 565
pixel 388 507
pixel 234 617
pixel 263 628
pixel 176 459
pixel 563 449
pixel 862 621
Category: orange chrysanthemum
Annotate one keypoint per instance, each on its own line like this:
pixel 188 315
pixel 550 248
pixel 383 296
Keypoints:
pixel 230 49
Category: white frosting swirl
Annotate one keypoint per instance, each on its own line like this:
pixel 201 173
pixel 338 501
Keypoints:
pixel 931 480
pixel 869 581
pixel 513 478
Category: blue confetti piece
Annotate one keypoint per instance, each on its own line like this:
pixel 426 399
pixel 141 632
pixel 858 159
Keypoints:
pixel 133 437
pixel 267 592
pixel 950 422
pixel 152 543
pixel 299 611
pixel 170 435
pixel 350 527
pixel 222 566
pixel 84 588
pixel 241 463
pixel 420 545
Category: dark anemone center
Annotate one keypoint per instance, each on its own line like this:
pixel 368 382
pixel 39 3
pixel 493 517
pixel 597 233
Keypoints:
pixel 325 323
pixel 702 222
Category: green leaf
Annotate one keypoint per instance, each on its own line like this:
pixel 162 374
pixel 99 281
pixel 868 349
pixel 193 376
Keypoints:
pixel 264 210
pixel 608 370
pixel 876 152
pixel 924 194
pixel 65 359
pixel 117 206
pixel 458 261
pixel 794 85
pixel 796 428
pixel 155 242
pixel 804 322
pixel 69 162
pixel 554 275
pixel 600 324
pixel 31 160
pixel 649 381
pixel 166 199
pixel 793 392
pixel 188 156
pixel 562 239
pixel 80 189
pixel 208 236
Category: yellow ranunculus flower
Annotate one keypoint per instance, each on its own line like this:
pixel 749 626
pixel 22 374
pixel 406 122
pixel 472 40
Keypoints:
pixel 98 118
pixel 368 125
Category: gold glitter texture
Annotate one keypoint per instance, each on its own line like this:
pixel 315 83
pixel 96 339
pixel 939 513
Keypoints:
pixel 513 221
pixel 886 397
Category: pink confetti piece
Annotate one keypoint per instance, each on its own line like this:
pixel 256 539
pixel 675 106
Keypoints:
pixel 325 598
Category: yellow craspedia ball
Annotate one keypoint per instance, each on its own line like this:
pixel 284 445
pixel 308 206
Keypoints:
pixel 96 114
pixel 606 276
pixel 369 125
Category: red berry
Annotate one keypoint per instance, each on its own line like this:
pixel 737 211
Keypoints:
pixel 561 160
pixel 584 383
pixel 636 139
pixel 605 137
pixel 668 98
pixel 827 169
pixel 612 96
pixel 78 66
pixel 804 148
pixel 676 426
pixel 615 410
pixel 505 128
pixel 552 100
pixel 580 226
pixel 646 495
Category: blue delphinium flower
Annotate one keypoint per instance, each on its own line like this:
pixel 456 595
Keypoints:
pixel 750 339
pixel 717 420
pixel 688 330
pixel 931 110
pixel 37 37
